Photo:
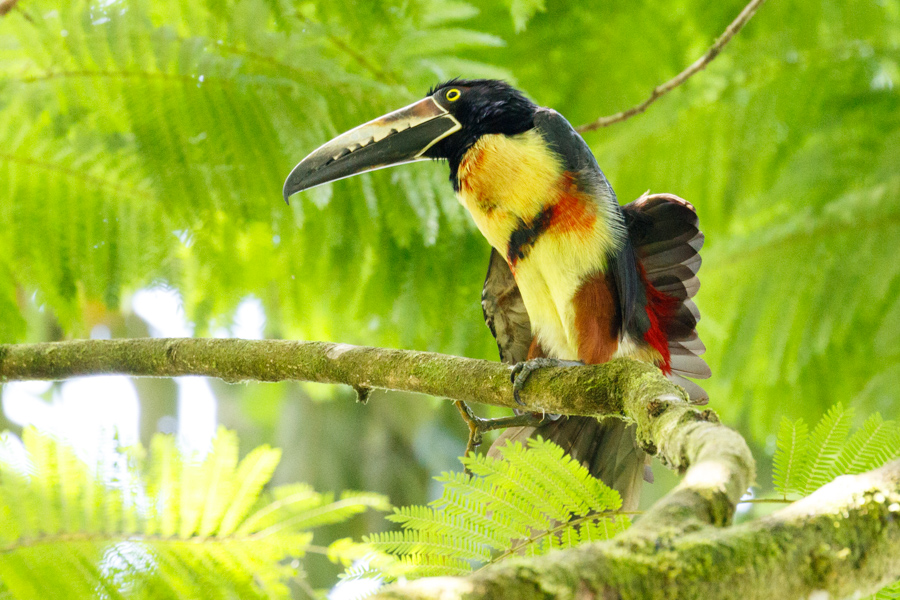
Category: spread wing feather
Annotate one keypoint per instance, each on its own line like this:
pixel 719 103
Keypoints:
pixel 664 231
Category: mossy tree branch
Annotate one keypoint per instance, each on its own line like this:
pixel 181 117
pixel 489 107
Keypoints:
pixel 580 391
pixel 840 542
pixel 667 426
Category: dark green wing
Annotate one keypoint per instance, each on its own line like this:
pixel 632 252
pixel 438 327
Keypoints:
pixel 504 311
pixel 580 162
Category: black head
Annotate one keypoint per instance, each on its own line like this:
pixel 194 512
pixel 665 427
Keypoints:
pixel 482 106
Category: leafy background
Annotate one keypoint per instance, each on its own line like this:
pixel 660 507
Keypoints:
pixel 145 144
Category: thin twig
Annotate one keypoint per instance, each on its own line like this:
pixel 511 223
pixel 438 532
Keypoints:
pixel 697 66
pixel 6 6
pixel 478 426
pixel 75 174
pixel 562 526
pixel 359 57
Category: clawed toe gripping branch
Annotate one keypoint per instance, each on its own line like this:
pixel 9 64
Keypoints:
pixel 839 542
pixel 478 426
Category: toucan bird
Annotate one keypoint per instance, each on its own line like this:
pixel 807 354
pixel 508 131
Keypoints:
pixel 573 275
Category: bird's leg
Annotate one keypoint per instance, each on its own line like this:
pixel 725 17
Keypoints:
pixel 478 426
pixel 520 372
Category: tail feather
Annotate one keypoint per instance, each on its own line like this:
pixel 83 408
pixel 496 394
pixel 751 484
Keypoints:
pixel 682 324
pixel 692 237
pixel 691 262
pixel 696 393
pixel 692 343
pixel 687 364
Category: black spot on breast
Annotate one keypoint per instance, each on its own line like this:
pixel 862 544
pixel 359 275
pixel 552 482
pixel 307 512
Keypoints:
pixel 526 235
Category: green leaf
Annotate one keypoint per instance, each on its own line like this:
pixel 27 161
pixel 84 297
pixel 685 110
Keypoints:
pixel 69 530
pixel 523 10
pixel 825 443
pixel 791 457
pixel 890 592
pixel 804 462
pixel 533 500
pixel 254 472
pixel 871 446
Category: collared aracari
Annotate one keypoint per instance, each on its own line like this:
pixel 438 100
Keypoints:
pixel 573 275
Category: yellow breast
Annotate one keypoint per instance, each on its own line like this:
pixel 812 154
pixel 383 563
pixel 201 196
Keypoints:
pixel 506 182
pixel 505 178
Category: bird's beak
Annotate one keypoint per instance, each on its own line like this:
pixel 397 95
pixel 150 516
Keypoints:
pixel 398 137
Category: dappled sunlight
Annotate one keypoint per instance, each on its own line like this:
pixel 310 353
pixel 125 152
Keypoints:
pixel 89 412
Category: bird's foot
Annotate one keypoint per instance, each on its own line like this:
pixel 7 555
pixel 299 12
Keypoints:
pixel 478 426
pixel 520 372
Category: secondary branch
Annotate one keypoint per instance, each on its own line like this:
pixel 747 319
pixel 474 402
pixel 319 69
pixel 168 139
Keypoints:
pixel 698 65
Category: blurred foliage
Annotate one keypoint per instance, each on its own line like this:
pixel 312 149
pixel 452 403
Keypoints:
pixel 145 143
pixel 891 592
pixel 164 525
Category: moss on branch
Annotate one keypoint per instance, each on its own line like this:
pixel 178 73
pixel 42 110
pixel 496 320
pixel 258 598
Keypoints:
pixel 840 542
pixel 574 391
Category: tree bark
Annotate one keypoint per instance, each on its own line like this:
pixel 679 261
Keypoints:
pixel 585 390
pixel 843 541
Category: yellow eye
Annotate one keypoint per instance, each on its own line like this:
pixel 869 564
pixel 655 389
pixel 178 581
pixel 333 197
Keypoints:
pixel 452 95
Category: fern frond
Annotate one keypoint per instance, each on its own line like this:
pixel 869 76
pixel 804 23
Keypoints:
pixel 117 131
pixel 531 501
pixel 474 493
pixel 299 506
pixel 871 446
pixel 508 490
pixel 70 530
pixel 435 565
pixel 427 543
pixel 562 477
pixel 804 462
pixel 219 487
pixel 825 444
pixel 329 512
pixel 427 519
pixel 791 452
pixel 163 486
pixel 254 472
pixel 890 592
